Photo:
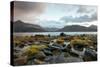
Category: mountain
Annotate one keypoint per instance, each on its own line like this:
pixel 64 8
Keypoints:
pixel 78 28
pixel 51 29
pixel 19 26
pixel 93 27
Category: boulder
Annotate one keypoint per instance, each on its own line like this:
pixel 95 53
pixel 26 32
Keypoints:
pixel 20 61
pixel 90 55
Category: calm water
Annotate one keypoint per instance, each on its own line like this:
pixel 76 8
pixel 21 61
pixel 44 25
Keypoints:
pixel 53 33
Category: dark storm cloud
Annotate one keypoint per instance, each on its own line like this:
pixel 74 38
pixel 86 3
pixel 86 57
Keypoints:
pixel 29 6
pixel 27 10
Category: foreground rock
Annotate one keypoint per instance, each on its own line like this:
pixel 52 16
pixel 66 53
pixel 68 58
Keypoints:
pixel 21 61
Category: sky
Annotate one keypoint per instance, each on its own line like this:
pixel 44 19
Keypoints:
pixel 55 15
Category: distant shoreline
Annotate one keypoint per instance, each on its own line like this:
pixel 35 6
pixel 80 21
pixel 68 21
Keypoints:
pixel 51 33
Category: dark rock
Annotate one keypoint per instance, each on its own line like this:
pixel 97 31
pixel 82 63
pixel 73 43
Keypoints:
pixel 73 54
pixel 67 48
pixel 47 52
pixel 90 55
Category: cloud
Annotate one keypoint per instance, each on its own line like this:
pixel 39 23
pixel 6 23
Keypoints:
pixel 86 9
pixel 51 24
pixel 82 14
pixel 83 18
pixel 27 11
pixel 54 15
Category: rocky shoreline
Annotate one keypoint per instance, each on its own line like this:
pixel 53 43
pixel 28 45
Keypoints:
pixel 46 49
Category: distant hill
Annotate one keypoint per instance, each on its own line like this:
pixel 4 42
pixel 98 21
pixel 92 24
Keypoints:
pixel 51 29
pixel 78 28
pixel 93 27
pixel 19 26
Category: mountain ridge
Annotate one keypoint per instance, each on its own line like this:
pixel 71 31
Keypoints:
pixel 78 28
pixel 20 26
